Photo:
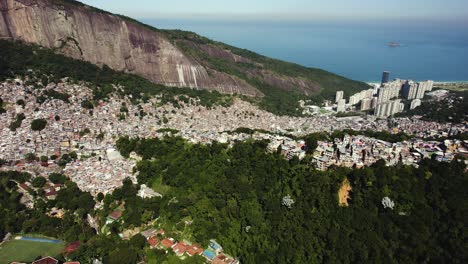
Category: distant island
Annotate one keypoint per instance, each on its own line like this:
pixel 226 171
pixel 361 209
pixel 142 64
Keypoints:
pixel 393 44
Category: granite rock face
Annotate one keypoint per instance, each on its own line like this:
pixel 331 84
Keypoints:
pixel 169 57
pixel 84 33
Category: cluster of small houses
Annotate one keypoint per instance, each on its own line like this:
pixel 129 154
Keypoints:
pixel 156 239
pixel 50 192
pixel 359 151
pixel 214 252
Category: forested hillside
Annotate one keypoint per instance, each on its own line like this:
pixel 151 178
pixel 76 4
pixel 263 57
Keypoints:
pixel 235 195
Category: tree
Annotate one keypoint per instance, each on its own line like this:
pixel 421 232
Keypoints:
pixel 44 158
pixel 39 182
pixel 138 241
pixel 21 102
pixel 38 124
pixel 87 104
pixel 100 197
pixel 122 256
pixel 58 178
pixel 30 157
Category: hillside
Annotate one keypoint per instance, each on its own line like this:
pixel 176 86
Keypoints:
pixel 170 58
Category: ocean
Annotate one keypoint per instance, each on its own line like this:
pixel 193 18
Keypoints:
pixel 357 50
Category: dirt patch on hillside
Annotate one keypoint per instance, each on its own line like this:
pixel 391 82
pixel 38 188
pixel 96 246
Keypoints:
pixel 343 193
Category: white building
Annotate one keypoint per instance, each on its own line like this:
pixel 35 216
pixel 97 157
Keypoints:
pixel 339 96
pixel 415 103
pixel 366 104
pixel 341 106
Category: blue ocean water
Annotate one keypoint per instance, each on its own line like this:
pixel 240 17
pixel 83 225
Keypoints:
pixel 357 50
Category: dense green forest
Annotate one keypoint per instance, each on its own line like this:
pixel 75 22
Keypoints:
pixel 453 109
pixel 235 195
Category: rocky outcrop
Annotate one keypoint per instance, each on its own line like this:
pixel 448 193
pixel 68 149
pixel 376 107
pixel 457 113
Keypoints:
pixel 84 33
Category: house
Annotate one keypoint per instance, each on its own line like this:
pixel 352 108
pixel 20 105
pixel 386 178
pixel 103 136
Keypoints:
pixel 149 233
pixel 168 242
pixel 25 187
pixel 180 248
pixel 114 216
pixel 72 247
pixel 46 260
pixel 154 241
pixel 224 259
pixel 50 192
pixel 194 249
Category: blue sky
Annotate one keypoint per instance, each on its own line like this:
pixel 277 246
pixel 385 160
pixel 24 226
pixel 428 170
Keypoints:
pixel 288 9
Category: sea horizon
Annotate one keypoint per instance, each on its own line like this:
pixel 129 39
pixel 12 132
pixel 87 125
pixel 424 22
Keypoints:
pixel 358 50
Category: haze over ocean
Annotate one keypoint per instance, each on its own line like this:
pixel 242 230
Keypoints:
pixel 358 50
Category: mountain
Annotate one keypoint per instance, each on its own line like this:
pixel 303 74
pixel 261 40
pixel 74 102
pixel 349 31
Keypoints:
pixel 171 58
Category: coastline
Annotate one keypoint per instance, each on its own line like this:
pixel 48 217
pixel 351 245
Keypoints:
pixel 435 82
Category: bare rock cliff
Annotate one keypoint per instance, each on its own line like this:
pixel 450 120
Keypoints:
pixel 101 38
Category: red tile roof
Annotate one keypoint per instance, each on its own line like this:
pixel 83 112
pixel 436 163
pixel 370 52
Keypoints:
pixel 223 259
pixel 167 242
pixel 72 247
pixel 24 186
pixel 194 250
pixel 116 214
pixel 154 241
pixel 46 260
pixel 180 248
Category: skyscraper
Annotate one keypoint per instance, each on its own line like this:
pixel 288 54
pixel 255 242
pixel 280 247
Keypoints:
pixel 385 77
pixel 366 104
pixel 341 106
pixel 339 96
pixel 410 90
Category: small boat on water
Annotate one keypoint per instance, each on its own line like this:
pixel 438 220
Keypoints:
pixel 393 44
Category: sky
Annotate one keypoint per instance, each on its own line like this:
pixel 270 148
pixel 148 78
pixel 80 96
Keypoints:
pixel 288 9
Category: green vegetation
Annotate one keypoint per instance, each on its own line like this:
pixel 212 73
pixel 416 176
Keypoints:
pixel 87 104
pixel 276 100
pixel 16 218
pixel 56 95
pixel 28 251
pixel 225 190
pixel 38 124
pixel 382 135
pixel 58 178
pixel 2 110
pixel 453 109
pixel 16 58
pixel 39 182
pixel 21 102
pixel 234 194
pixel 18 121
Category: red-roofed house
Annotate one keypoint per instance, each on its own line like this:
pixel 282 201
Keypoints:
pixel 50 193
pixel 223 259
pixel 180 248
pixel 154 241
pixel 46 260
pixel 168 242
pixel 25 187
pixel 72 247
pixel 194 250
